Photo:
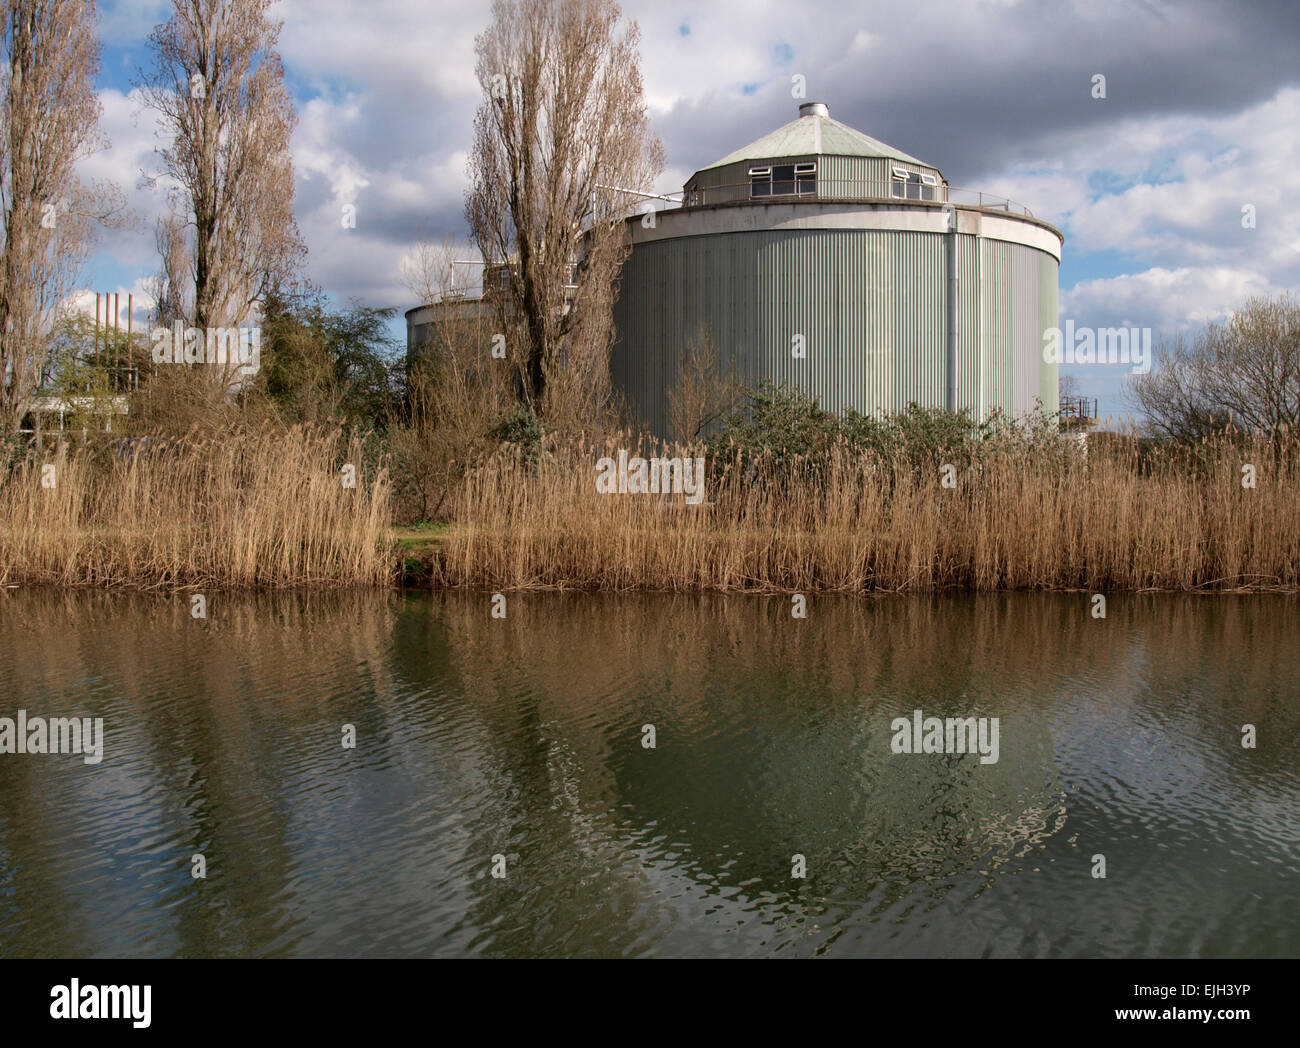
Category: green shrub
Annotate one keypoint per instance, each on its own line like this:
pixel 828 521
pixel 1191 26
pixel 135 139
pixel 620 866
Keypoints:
pixel 522 429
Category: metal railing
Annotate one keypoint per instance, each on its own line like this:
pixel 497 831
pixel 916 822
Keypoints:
pixel 872 190
pixel 1078 411
pixel 496 279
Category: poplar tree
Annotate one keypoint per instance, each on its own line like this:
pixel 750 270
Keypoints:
pixel 217 83
pixel 562 148
pixel 49 120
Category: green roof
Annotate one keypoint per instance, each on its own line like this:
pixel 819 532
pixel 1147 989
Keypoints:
pixel 815 135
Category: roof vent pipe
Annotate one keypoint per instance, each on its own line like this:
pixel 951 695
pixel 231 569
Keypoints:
pixel 814 109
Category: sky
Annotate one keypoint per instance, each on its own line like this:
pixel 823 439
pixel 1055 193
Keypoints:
pixel 1200 120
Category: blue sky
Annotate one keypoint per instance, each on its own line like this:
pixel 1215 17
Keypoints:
pixel 1200 118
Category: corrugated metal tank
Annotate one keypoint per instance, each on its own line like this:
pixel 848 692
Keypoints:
pixel 871 305
pixel 865 281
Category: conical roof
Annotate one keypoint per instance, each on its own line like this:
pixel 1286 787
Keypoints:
pixel 814 133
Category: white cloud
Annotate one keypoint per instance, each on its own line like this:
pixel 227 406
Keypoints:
pixel 132 132
pixel 862 41
pixel 1165 300
pixel 1189 179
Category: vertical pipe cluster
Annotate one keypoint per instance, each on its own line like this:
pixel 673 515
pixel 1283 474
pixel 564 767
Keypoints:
pixel 108 347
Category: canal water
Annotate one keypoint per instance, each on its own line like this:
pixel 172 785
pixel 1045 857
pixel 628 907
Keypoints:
pixel 649 775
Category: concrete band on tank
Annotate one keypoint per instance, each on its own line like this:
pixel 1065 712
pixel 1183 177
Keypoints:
pixel 420 320
pixel 421 314
pixel 747 216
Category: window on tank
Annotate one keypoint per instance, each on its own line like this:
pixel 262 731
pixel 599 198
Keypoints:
pixel 912 185
pixel 783 180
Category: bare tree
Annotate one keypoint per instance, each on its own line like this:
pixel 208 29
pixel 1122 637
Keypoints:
pixel 173 288
pixel 48 121
pixel 218 83
pixel 1244 372
pixel 562 147
pixel 434 270
pixel 702 394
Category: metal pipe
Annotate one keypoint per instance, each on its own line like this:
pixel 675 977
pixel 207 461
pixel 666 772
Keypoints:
pixel 950 347
pixel 980 334
pixel 637 192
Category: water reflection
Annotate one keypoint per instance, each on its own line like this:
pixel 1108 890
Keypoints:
pixel 522 737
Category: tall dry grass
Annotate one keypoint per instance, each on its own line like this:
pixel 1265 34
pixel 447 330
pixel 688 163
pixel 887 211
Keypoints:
pixel 1022 516
pixel 256 508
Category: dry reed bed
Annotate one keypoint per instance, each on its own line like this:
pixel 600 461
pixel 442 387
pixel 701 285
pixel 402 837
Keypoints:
pixel 251 510
pixel 1020 517
pixel 270 510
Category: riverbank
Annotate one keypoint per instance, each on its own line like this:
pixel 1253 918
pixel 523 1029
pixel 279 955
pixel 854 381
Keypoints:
pixel 264 509
pixel 1009 517
pixel 309 509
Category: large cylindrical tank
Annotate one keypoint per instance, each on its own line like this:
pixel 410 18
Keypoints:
pixel 841 274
